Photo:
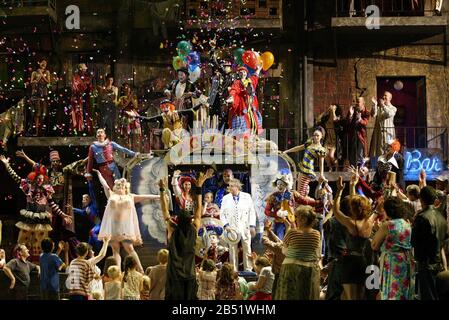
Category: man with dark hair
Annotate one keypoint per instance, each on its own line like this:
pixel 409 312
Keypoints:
pixel 428 235
pixel 223 189
pixel 50 264
pixel 20 269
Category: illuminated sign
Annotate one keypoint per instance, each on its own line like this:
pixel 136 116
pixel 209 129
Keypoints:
pixel 422 159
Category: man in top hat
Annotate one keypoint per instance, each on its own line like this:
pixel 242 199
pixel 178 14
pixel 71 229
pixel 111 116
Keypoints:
pixel 81 113
pixel 221 81
pixel 243 112
pixel 181 91
pixel 237 213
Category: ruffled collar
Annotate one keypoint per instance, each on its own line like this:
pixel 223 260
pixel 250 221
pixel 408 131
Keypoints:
pixel 101 144
pixel 283 196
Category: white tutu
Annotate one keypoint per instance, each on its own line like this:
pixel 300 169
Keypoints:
pixel 120 220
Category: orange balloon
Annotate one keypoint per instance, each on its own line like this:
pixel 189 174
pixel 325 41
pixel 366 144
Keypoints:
pixel 267 60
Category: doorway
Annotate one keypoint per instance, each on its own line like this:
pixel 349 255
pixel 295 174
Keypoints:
pixel 409 97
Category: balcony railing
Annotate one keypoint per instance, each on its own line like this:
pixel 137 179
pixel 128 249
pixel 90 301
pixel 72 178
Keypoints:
pixel 28 3
pixel 387 8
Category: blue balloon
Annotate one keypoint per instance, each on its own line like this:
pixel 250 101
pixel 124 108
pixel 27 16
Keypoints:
pixel 192 67
pixel 250 71
pixel 194 57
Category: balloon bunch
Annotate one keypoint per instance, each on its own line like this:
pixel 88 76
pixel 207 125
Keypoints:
pixel 252 60
pixel 189 59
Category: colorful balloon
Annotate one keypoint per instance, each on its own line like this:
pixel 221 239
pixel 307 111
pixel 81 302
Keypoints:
pixel 194 58
pixel 184 48
pixel 195 74
pixel 267 60
pixel 238 55
pixel 250 59
pixel 178 63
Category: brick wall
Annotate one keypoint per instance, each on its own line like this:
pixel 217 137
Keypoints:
pixel 333 85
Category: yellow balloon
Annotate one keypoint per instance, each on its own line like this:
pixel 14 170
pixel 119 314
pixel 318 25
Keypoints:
pixel 267 60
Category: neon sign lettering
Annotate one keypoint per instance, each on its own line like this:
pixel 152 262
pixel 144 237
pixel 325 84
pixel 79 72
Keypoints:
pixel 415 162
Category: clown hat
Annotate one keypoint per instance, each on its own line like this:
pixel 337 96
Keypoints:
pixel 54 156
pixel 242 69
pixel 167 102
pixel 183 179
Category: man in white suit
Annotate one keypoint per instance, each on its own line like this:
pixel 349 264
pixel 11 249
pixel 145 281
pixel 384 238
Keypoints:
pixel 237 212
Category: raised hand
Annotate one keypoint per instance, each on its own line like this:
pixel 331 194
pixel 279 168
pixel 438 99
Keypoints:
pixel 67 219
pixel 373 100
pixel 177 173
pixel 4 160
pixel 267 224
pixel 20 154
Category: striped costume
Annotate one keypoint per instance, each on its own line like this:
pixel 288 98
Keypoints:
pixel 306 166
pixel 35 221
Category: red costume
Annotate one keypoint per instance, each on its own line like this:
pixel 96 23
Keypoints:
pixel 81 118
pixel 241 115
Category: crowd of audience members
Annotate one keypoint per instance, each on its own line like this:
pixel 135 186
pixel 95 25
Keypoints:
pixel 392 248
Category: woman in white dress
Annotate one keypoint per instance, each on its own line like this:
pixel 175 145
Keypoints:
pixel 120 221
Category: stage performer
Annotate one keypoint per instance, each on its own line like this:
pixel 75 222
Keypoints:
pixel 108 97
pixel 181 91
pixel 56 177
pixel 81 114
pixel 222 79
pixel 40 80
pixel 238 213
pixel 384 124
pixel 358 118
pixel 330 120
pixel 280 204
pixel 101 153
pixel 181 238
pixel 90 210
pixel 130 128
pixel 391 160
pixel 120 221
pixel 244 117
pixel 172 123
pixel 182 188
pixel 313 151
pixel 35 220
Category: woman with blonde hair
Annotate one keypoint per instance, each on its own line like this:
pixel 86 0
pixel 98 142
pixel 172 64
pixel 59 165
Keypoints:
pixel 299 278
pixel 120 220
pixel 358 223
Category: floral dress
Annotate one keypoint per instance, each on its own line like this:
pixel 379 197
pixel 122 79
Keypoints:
pixel 396 262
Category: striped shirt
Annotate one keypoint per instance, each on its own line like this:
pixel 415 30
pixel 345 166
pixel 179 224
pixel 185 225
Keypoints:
pixel 311 153
pixel 303 246
pixel 80 275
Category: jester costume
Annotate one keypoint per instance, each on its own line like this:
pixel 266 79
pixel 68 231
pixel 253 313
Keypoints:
pixel 101 153
pixel 35 220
